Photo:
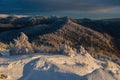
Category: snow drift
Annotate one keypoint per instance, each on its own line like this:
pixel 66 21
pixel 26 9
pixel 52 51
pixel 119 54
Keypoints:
pixel 58 67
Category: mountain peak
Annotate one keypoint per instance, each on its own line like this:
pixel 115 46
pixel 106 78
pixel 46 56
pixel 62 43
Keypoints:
pixel 67 19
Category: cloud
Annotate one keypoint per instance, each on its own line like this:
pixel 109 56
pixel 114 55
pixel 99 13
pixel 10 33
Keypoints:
pixel 59 5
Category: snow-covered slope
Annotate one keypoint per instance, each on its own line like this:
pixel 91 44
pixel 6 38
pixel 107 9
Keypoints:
pixel 58 67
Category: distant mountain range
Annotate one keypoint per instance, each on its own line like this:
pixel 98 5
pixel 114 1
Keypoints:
pixel 100 37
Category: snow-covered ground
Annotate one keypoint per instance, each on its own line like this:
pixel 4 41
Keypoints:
pixel 58 67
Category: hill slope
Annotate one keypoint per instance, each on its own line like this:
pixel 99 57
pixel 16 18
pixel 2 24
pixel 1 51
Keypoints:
pixel 55 31
pixel 73 34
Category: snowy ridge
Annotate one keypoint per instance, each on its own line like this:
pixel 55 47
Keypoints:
pixel 3 15
pixel 6 15
pixel 57 67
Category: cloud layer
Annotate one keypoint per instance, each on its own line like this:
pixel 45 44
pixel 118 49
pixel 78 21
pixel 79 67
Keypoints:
pixel 58 5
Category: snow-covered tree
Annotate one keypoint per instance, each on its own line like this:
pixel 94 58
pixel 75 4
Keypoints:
pixel 82 50
pixel 67 50
pixel 21 45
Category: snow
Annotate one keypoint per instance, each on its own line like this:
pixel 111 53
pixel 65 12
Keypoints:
pixel 6 15
pixel 58 67
pixel 3 15
pixel 5 53
pixel 100 74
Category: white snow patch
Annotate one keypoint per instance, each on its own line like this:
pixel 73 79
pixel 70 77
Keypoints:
pixel 58 67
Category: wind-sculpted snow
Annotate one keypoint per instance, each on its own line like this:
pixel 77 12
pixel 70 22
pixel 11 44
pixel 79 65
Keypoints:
pixel 58 67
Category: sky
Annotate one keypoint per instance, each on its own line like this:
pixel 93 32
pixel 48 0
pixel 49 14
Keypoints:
pixel 72 8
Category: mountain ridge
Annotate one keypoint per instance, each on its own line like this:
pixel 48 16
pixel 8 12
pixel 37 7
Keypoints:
pixel 54 31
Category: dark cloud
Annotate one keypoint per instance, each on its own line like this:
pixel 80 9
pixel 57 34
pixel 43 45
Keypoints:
pixel 57 5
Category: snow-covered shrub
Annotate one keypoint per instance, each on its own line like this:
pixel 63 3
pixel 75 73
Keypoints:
pixel 117 72
pixel 67 50
pixel 43 48
pixel 20 46
pixel 3 46
pixel 82 50
pixel 3 76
